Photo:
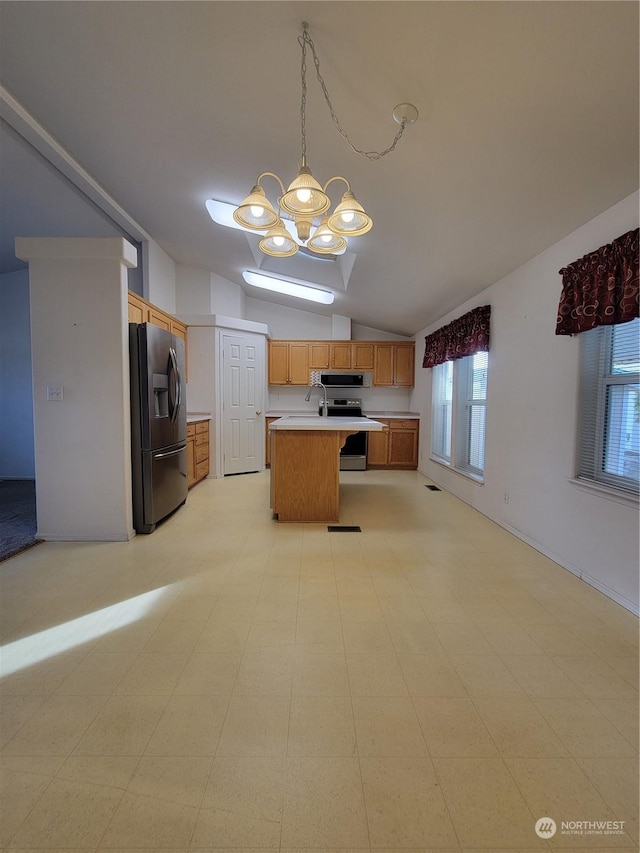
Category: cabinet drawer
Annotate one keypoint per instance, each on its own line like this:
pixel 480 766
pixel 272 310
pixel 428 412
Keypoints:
pixel 202 453
pixel 202 426
pixel 191 430
pixel 202 469
pixel 202 438
pixel 413 424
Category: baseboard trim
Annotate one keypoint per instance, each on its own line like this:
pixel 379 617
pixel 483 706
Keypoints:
pixel 72 537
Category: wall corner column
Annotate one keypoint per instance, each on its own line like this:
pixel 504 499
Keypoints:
pixel 79 341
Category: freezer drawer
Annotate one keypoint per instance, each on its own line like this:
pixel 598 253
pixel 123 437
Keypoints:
pixel 164 486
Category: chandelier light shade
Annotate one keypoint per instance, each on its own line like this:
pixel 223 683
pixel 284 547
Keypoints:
pixel 277 242
pixel 305 196
pixel 325 241
pixel 305 203
pixel 256 211
pixel 349 218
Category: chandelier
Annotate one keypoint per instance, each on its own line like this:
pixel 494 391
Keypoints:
pixel 305 201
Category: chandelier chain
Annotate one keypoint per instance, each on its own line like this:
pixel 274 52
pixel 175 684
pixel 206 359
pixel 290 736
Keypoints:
pixel 304 40
pixel 303 103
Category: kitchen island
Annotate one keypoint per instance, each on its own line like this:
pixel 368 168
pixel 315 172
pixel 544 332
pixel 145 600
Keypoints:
pixel 305 465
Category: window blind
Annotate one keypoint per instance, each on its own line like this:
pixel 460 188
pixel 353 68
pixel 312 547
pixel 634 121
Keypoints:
pixel 442 388
pixel 609 433
pixel 471 394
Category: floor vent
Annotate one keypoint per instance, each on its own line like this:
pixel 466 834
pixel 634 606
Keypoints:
pixel 343 528
pixel 434 489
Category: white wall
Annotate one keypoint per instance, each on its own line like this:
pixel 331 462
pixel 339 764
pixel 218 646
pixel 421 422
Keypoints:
pixel 16 397
pixel 159 277
pixel 199 291
pixel 288 323
pixel 300 325
pixel 193 290
pixel 366 333
pixel 532 422
pixel 78 289
pixel 227 299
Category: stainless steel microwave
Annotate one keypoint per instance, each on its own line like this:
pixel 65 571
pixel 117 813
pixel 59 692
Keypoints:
pixel 346 380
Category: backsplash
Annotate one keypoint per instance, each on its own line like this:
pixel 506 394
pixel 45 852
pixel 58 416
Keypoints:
pixel 373 399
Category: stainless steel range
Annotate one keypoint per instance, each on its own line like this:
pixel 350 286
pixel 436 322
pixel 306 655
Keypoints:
pixel 353 456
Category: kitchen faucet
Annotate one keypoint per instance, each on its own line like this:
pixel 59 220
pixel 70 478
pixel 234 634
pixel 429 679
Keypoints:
pixel 324 400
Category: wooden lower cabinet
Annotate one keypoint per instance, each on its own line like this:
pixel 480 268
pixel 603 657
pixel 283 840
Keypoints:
pixel 267 446
pixel 377 447
pixel 396 446
pixel 197 451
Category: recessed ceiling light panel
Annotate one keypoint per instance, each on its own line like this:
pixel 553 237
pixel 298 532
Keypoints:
pixel 288 286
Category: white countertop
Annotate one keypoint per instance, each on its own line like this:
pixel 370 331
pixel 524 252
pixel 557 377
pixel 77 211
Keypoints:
pixel 315 422
pixel 390 416
pixel 192 417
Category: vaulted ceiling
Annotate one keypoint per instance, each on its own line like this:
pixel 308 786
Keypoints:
pixel 527 128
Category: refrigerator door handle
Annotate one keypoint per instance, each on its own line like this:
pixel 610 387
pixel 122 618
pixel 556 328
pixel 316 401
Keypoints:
pixel 177 391
pixel 169 453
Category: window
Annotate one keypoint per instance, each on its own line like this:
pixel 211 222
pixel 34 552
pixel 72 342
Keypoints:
pixel 459 396
pixel 442 396
pixel 609 425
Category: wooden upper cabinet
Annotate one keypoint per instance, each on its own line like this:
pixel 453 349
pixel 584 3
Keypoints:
pixel 178 329
pixel 362 357
pixel 160 319
pixel 318 355
pixel 288 363
pixel 383 365
pixel 404 365
pixel 138 309
pixel 141 311
pixel 394 365
pixel 278 363
pixel 299 364
pixel 340 355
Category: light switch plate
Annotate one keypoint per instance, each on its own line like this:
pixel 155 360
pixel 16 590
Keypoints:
pixel 54 392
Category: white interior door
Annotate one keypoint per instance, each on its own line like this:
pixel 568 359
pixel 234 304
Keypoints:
pixel 243 404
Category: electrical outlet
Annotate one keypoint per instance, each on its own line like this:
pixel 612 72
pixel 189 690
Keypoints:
pixel 54 392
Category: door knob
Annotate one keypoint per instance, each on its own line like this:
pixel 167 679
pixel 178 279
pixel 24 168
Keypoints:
pixel 258 413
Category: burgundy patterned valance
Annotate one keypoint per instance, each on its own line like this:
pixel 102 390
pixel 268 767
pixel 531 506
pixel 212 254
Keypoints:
pixel 601 288
pixel 465 336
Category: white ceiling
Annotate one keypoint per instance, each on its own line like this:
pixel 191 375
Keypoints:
pixel 528 128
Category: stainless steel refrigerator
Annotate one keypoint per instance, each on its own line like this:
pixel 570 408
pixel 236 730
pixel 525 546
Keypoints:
pixel 158 424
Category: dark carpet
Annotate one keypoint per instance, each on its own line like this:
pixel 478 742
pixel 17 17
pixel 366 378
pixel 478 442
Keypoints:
pixel 17 516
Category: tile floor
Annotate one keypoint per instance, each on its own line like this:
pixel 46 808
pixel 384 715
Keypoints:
pixel 230 683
